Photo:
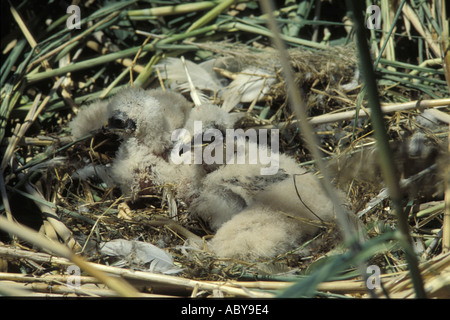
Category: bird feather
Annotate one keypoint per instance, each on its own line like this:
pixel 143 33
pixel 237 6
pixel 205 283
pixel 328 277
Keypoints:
pixel 139 254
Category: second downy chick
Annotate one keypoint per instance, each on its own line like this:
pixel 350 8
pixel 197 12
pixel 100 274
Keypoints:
pixel 254 215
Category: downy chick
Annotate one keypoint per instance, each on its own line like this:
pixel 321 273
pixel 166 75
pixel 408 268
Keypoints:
pixel 144 120
pixel 255 215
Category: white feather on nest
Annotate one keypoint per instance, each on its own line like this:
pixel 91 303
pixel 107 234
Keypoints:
pixel 247 86
pixel 140 255
pixel 203 78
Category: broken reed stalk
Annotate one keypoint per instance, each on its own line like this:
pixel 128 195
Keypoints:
pixel 391 177
pixel 73 40
pixel 411 15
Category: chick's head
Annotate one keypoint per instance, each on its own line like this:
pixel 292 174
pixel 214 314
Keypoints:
pixel 133 113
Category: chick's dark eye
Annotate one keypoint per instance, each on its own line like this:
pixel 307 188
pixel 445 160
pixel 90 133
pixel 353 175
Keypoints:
pixel 121 121
pixel 116 122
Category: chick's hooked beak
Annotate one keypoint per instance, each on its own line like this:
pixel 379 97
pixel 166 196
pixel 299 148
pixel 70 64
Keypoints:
pixel 200 140
pixel 119 122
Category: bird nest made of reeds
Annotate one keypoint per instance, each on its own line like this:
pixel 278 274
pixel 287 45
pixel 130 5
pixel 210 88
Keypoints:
pixel 61 215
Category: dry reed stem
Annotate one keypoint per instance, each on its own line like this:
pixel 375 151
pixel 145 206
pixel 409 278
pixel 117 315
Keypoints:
pixel 152 278
pixel 436 274
pixel 341 286
pixel 349 115
pixel 59 283
pixel 421 29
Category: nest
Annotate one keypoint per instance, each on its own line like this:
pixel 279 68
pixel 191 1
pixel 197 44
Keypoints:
pixel 60 215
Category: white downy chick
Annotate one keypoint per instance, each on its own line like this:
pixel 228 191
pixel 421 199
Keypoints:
pixel 290 204
pixel 144 120
pixel 292 200
pixel 280 214
pixel 258 232
pixel 150 116
pixel 255 215
pixel 187 170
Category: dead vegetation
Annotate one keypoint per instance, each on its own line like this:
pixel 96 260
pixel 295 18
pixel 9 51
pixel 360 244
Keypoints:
pixel 49 71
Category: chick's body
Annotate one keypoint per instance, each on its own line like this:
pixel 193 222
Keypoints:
pixel 254 215
pixel 145 120
pixel 259 216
